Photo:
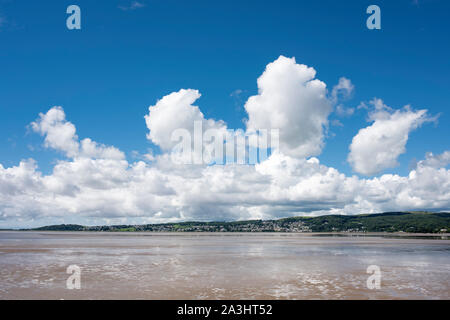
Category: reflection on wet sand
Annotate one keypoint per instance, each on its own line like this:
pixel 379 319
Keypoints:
pixel 221 266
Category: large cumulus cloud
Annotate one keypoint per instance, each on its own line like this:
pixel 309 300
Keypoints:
pixel 291 100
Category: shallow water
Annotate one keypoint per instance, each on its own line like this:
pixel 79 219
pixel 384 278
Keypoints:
pixel 221 266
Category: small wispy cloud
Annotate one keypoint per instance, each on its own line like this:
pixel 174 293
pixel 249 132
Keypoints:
pixel 132 6
pixel 237 96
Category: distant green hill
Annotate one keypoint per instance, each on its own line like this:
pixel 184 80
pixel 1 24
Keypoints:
pixel 64 227
pixel 413 222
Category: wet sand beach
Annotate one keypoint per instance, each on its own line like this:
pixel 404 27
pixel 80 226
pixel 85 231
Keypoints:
pixel 222 266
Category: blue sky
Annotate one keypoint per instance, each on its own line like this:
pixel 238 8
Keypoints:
pixel 107 74
pixel 123 60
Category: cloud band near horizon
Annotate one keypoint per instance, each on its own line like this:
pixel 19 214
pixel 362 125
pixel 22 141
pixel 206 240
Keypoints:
pixel 96 183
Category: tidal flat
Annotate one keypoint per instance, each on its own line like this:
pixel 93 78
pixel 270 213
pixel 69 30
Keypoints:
pixel 33 265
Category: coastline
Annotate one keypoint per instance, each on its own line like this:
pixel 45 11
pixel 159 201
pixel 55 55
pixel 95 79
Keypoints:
pixel 209 233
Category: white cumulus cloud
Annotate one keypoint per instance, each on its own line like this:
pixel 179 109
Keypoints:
pixel 378 146
pixel 292 100
pixel 60 135
pixel 436 161
pixel 176 111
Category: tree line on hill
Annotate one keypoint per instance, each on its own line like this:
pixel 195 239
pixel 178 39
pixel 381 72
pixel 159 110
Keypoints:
pixel 411 222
